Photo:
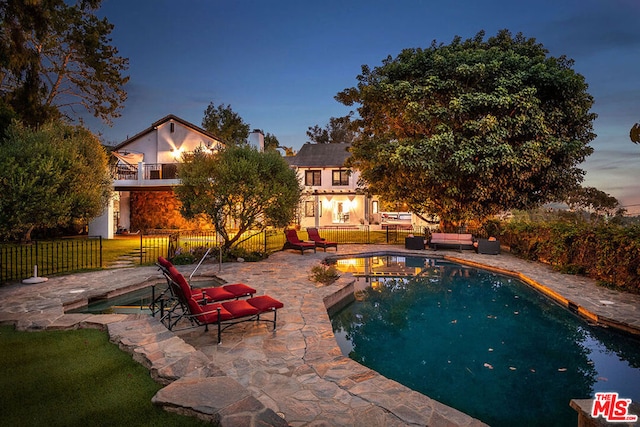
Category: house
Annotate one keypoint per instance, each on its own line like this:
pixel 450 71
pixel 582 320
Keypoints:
pixel 330 191
pixel 146 173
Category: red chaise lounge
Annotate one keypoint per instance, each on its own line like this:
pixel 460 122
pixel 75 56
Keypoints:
pixel 210 294
pixel 229 313
pixel 319 241
pixel 293 242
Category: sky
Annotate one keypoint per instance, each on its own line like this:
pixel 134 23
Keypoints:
pixel 279 64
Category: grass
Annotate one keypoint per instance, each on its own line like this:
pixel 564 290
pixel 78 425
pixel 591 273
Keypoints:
pixel 75 378
pixel 112 249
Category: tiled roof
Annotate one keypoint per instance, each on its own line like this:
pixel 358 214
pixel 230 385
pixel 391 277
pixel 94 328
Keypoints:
pixel 320 155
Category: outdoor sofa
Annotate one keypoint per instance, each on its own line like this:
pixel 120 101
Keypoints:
pixel 451 241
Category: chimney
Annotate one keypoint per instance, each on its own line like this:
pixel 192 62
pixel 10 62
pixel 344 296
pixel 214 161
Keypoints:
pixel 256 139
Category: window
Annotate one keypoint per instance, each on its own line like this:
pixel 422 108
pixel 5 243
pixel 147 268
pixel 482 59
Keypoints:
pixel 340 177
pixel 312 178
pixel 309 209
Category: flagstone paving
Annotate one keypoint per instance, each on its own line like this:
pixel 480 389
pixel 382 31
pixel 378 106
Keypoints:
pixel 295 375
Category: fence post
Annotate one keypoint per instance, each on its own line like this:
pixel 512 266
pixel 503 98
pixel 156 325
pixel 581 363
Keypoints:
pixel 36 261
pixel 141 233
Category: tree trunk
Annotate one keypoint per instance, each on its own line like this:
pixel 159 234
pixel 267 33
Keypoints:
pixel 27 235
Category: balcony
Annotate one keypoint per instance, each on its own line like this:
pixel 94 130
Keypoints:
pixel 145 176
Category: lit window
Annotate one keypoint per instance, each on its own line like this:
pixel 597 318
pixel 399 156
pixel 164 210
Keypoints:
pixel 340 177
pixel 312 178
pixel 309 209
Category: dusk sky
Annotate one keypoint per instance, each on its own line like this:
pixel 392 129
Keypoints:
pixel 279 64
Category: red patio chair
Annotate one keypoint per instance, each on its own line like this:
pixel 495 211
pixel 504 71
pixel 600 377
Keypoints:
pixel 293 242
pixel 213 293
pixel 227 314
pixel 319 241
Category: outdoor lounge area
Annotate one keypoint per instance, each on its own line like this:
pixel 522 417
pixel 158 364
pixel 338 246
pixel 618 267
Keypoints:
pixel 295 374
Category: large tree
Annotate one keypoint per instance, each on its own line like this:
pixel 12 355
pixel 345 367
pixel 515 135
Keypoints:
pixel 339 130
pixel 225 123
pixel 54 176
pixel 56 58
pixel 238 189
pixel 593 200
pixel 472 128
pixel 634 133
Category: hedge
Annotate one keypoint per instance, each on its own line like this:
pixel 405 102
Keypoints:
pixel 608 253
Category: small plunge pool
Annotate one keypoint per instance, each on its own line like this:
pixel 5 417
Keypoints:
pixel 135 301
pixel 483 343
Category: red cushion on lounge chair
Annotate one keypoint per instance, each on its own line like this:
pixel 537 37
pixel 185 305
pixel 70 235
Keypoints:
pixel 186 288
pixel 265 303
pixel 164 262
pixel 208 313
pixel 240 308
pixel 217 294
pixel 292 236
pixel 239 289
pixel 180 280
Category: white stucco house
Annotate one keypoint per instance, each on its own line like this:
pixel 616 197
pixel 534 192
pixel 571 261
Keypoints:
pixel 145 175
pixel 330 191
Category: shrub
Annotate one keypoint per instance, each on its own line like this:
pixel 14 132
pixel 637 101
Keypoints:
pixel 250 256
pixel 606 252
pixel 325 274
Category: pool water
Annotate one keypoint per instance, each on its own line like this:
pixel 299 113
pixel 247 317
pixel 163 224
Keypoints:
pixel 133 302
pixel 483 343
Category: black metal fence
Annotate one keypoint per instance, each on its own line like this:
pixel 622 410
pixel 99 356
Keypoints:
pixel 264 242
pixel 52 257
pixel 154 245
pixel 19 261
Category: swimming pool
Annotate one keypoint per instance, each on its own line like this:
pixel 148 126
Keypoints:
pixel 486 344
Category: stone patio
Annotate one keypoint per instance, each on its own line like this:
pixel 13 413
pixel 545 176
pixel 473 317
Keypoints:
pixel 296 375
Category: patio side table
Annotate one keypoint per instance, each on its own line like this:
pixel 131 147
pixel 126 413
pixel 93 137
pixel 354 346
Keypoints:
pixel 414 242
pixel 489 247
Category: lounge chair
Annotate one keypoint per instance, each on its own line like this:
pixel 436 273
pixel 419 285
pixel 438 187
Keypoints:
pixel 293 242
pixel 227 314
pixel 319 241
pixel 210 294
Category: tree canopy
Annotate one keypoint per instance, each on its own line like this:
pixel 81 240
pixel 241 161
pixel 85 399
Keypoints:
pixel 593 200
pixel 634 133
pixel 339 130
pixel 238 189
pixel 56 58
pixel 225 123
pixel 54 176
pixel 470 129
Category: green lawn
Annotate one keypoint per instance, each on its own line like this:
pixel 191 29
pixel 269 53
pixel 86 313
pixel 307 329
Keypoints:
pixel 112 249
pixel 75 378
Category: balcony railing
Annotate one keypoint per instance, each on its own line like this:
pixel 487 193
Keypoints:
pixel 150 171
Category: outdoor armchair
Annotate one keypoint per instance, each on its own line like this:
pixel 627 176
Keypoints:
pixel 319 241
pixel 293 242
